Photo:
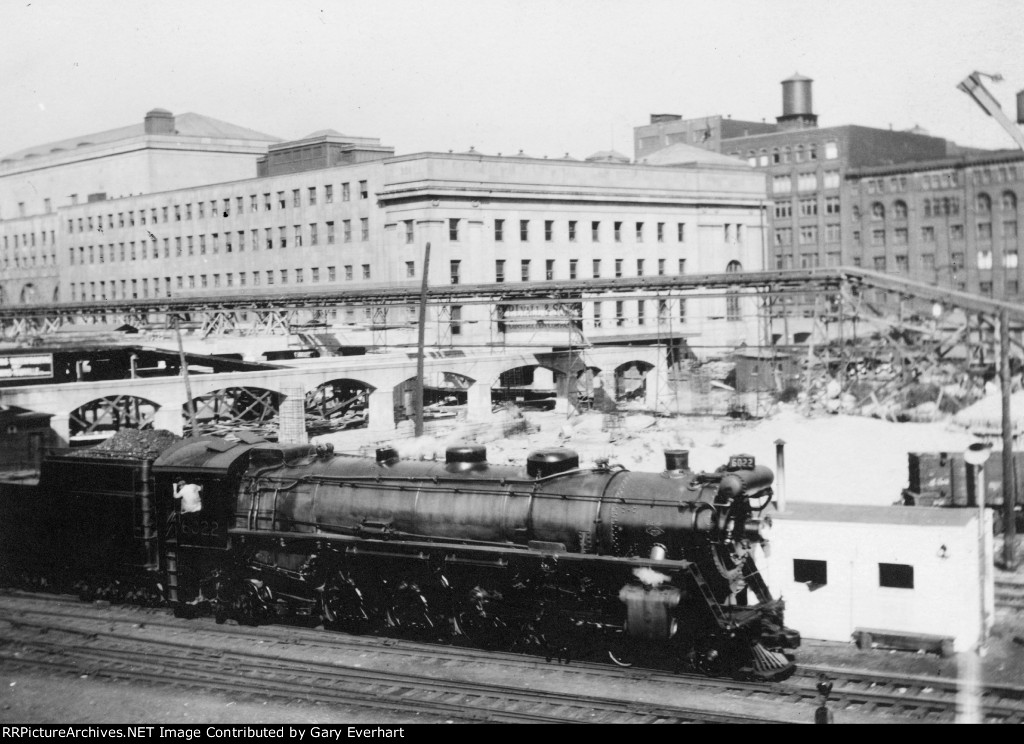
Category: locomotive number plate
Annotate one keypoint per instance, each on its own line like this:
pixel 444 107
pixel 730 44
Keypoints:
pixel 741 462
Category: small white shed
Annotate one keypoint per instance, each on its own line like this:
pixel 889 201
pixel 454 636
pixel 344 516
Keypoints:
pixel 844 570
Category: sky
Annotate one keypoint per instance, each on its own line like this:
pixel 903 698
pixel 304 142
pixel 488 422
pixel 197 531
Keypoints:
pixel 547 77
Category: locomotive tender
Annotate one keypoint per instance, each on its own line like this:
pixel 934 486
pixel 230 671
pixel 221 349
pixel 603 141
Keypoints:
pixel 551 557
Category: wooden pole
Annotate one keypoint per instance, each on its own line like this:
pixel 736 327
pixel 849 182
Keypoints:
pixel 190 404
pixel 1009 482
pixel 418 398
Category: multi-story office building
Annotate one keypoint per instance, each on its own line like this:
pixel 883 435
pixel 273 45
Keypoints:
pixel 853 195
pixel 161 152
pixel 951 222
pixel 330 211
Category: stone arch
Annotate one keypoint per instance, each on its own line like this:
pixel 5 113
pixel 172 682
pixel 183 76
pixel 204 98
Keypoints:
pixel 631 379
pixel 522 386
pixel 102 417
pixel 233 408
pixel 338 404
pixel 445 395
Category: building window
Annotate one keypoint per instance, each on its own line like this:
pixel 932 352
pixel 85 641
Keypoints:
pixel 453 230
pixel 282 234
pixel 549 269
pixel 453 271
pixel 346 192
pixel 808 207
pixel 620 313
pixel 896 575
pixel 596 268
pixel 618 268
pixel 984 203
pixel 899 210
pixel 878 237
pixel 364 228
pixel 1010 229
pixel 783 209
pixel 499 270
pixel 1010 259
pixel 524 230
pixel 332 273
pixel 618 232
pixel 808 234
pixel 900 236
pixel 984 231
pixel 956 233
pixel 810 572
pixel 499 231
pixel 364 190
pixel 901 264
pixel 409 232
pixel 879 263
pixel 984 259
pixel 639 232
pixel 456 319
pixel 782 184
pixel 832 233
pixel 831 205
pixel 313 234
pixel 639 267
pixel 366 271
pixel 549 230
pixel 572 231
pixel 597 314
pixel 330 232
pixel 831 151
pixel 524 269
pixel 410 269
pixel 807 181
pixel 928 234
pixel 346 231
pixel 573 263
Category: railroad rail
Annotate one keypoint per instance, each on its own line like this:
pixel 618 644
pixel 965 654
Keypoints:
pixel 858 694
pixel 66 642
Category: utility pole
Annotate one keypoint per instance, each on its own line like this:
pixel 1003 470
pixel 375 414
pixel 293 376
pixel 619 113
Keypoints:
pixel 190 404
pixel 418 397
pixel 1009 482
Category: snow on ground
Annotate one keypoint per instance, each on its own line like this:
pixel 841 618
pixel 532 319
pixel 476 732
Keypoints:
pixel 829 458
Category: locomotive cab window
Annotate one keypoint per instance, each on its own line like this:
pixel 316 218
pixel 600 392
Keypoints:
pixel 810 572
pixel 896 575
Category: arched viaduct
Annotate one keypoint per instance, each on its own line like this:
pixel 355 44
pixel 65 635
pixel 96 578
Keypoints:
pixel 381 374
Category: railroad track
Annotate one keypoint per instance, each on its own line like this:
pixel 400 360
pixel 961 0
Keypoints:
pixel 126 650
pixel 1009 595
pixel 856 693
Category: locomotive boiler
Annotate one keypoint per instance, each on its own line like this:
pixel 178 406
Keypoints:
pixel 550 558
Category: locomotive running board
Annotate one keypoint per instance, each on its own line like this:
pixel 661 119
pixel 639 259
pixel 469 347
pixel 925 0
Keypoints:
pixel 412 548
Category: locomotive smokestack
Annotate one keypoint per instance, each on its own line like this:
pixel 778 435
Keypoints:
pixel 676 460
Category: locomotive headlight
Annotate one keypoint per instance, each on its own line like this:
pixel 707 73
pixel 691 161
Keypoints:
pixel 758 530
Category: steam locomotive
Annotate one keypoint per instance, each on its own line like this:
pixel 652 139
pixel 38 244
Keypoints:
pixel 551 558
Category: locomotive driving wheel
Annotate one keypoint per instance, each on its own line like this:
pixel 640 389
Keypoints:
pixel 478 619
pixel 408 611
pixel 342 607
pixel 621 649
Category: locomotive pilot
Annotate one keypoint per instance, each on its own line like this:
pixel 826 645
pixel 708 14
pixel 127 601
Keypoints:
pixel 189 495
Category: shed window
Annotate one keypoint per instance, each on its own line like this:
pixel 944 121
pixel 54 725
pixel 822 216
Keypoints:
pixel 896 575
pixel 810 572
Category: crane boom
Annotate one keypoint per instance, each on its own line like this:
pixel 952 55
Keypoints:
pixel 972 86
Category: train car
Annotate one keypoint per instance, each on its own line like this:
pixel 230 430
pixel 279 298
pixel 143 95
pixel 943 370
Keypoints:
pixel 85 524
pixel 549 557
